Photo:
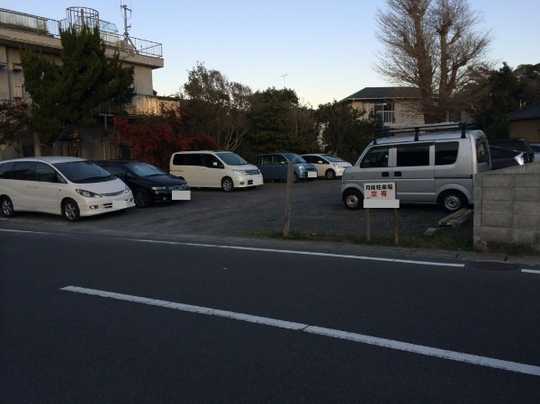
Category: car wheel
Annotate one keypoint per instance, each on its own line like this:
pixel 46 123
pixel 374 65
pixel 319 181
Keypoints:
pixel 452 201
pixel 6 207
pixel 352 199
pixel 227 184
pixel 330 174
pixel 70 210
pixel 142 199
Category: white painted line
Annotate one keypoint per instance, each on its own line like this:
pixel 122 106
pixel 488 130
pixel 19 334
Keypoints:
pixel 25 231
pixel 531 271
pixel 476 360
pixel 269 250
pixel 300 252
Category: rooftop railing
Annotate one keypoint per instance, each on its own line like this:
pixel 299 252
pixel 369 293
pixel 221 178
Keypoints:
pixel 47 26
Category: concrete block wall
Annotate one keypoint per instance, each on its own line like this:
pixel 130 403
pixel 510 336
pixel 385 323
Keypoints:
pixel 507 207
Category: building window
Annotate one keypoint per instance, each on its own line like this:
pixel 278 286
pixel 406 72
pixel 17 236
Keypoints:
pixel 383 112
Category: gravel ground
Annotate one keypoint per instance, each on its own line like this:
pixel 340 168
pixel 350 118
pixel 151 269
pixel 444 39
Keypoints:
pixel 317 208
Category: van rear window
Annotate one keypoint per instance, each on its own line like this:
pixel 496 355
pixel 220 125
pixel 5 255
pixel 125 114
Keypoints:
pixel 482 153
pixel 446 153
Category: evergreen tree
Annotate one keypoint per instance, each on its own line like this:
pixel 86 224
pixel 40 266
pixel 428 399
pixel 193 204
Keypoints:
pixel 70 93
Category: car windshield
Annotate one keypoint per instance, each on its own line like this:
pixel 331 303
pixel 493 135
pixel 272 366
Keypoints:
pixel 332 159
pixel 536 148
pixel 83 172
pixel 294 158
pixel 145 170
pixel 232 159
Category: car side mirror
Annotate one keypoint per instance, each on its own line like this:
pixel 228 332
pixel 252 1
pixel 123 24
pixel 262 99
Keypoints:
pixel 320 162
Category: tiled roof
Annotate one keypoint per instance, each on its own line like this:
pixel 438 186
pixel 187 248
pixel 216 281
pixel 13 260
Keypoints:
pixel 370 93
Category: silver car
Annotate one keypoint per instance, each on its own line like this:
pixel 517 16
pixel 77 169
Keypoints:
pixel 429 165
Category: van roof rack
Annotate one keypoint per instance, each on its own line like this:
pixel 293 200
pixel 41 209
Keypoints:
pixel 417 131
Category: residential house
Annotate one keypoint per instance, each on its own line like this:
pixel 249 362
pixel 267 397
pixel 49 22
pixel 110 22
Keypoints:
pixel 19 31
pixel 389 106
pixel 525 124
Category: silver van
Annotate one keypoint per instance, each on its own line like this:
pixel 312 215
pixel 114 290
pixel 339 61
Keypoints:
pixel 432 164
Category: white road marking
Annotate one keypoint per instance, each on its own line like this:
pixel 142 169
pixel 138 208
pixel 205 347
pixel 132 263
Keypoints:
pixel 299 252
pixel 25 231
pixel 267 250
pixel 531 271
pixel 477 360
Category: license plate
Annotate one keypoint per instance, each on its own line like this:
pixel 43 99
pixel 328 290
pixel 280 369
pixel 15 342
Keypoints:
pixel 312 174
pixel 181 195
pixel 119 204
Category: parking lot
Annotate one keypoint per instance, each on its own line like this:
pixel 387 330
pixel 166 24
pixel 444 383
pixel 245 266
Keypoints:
pixel 317 209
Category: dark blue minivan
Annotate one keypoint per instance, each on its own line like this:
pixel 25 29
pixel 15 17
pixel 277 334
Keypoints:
pixel 274 167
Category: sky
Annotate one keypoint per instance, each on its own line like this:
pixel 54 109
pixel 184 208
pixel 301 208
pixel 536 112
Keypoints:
pixel 328 49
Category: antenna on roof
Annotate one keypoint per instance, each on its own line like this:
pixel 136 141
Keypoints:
pixel 127 11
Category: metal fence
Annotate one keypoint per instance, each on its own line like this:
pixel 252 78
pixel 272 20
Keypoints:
pixel 46 26
pixel 30 22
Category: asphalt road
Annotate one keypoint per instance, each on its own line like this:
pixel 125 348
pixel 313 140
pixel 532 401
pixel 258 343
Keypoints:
pixel 64 347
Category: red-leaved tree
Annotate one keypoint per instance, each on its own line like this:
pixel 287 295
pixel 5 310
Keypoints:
pixel 153 140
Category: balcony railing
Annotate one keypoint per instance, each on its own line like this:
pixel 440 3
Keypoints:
pixel 29 22
pixel 385 117
pixel 46 26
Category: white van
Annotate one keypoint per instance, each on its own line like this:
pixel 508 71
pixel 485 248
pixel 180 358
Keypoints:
pixel 66 186
pixel 215 169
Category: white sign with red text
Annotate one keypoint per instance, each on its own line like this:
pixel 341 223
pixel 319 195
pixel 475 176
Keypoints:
pixel 380 195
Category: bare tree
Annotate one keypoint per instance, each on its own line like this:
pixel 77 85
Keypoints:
pixel 430 44
pixel 216 106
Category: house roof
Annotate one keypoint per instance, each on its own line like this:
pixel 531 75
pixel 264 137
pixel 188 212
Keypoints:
pixel 370 93
pixel 529 113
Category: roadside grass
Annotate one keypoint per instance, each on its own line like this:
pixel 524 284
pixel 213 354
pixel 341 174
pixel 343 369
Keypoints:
pixel 459 239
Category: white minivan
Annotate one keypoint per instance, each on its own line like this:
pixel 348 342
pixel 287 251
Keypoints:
pixel 215 169
pixel 67 186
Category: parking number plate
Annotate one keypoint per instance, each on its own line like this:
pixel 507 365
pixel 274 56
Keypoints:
pixel 119 204
pixel 312 174
pixel 181 195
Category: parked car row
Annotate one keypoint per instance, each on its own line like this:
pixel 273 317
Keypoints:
pixel 74 188
pixel 435 165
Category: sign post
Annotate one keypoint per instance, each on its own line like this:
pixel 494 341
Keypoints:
pixel 381 195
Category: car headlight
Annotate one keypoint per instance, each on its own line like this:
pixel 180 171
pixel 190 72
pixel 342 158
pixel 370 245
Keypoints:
pixel 520 159
pixel 240 172
pixel 88 194
pixel 157 189
pixel 127 190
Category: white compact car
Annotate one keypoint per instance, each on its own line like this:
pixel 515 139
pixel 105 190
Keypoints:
pixel 220 169
pixel 66 186
pixel 327 166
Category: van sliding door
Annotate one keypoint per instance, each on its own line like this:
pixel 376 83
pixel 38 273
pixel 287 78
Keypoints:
pixel 413 173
